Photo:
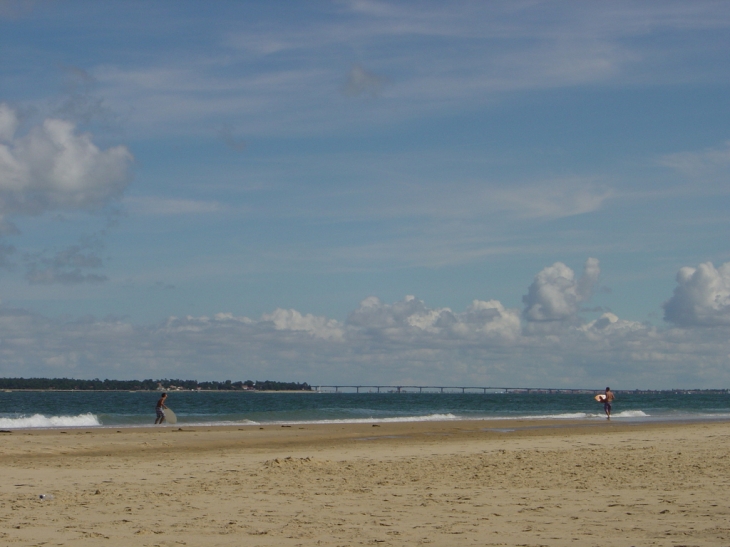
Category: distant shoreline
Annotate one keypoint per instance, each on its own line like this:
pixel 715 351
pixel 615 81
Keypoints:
pixel 160 391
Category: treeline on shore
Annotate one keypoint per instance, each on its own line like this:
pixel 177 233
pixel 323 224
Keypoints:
pixel 68 384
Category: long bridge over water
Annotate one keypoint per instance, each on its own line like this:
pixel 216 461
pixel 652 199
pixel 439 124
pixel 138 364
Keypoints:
pixel 445 389
pixel 490 389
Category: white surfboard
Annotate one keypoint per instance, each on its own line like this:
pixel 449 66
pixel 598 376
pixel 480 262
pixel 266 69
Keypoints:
pixel 600 398
pixel 170 417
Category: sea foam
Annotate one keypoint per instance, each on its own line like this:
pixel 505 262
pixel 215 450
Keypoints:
pixel 568 416
pixel 39 420
pixel 578 415
pixel 630 414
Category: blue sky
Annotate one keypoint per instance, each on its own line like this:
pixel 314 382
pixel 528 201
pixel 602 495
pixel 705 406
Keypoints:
pixel 524 193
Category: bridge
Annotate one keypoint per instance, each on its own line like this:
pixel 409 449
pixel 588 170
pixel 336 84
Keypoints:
pixel 341 388
pixel 447 389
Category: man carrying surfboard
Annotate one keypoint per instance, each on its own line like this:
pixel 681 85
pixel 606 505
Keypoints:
pixel 607 400
pixel 159 409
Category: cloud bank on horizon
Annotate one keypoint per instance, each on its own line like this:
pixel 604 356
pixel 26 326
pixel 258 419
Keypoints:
pixel 405 342
pixel 162 191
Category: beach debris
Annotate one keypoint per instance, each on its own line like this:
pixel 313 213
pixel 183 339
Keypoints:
pixel 46 497
pixel 288 461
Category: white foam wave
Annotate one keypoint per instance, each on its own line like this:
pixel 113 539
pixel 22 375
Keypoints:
pixel 430 418
pixel 223 423
pixel 579 415
pixel 570 416
pixel 91 420
pixel 630 414
pixel 39 420
pixel 565 416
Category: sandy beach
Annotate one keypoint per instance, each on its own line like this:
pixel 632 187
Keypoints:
pixel 439 483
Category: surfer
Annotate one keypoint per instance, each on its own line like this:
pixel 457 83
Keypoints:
pixel 607 400
pixel 160 409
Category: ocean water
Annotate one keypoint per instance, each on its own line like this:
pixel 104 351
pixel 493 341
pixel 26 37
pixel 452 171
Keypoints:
pixel 134 409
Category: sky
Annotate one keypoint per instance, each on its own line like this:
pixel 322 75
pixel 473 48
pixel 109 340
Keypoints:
pixel 516 193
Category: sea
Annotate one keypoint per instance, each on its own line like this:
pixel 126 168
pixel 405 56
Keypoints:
pixel 99 409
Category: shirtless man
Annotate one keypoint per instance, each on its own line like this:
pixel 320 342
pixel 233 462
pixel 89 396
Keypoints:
pixel 160 409
pixel 607 402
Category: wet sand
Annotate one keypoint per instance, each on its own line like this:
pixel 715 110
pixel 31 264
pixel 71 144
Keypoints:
pixel 439 483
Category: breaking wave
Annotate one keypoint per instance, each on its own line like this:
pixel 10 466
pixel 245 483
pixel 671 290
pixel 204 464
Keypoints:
pixel 39 420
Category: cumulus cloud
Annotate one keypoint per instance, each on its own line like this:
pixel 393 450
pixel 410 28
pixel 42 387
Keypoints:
pixel 292 320
pixel 556 295
pixel 609 322
pixel 55 168
pixel 701 298
pixel 363 82
pixel 410 318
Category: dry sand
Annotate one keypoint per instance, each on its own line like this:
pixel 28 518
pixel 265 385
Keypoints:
pixel 448 483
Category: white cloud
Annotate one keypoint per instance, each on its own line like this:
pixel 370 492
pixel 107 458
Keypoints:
pixel 410 318
pixel 8 123
pixel 54 168
pixel 698 163
pixel 373 313
pixel 610 323
pixel 702 297
pixel 551 199
pixel 555 294
pixel 292 320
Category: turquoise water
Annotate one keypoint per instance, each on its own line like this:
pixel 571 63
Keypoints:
pixel 120 409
